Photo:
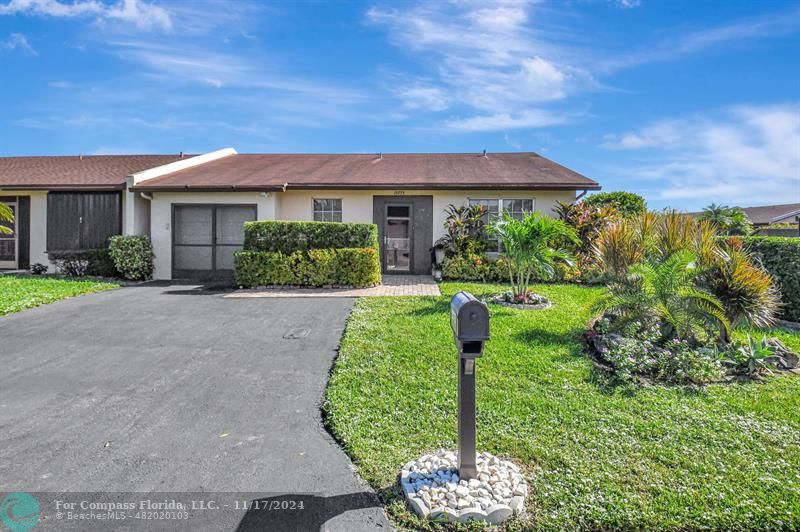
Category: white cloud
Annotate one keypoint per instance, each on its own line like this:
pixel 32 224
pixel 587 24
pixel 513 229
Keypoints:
pixel 141 14
pixel 503 121
pixel 741 155
pixel 484 58
pixel 18 41
pixel 629 3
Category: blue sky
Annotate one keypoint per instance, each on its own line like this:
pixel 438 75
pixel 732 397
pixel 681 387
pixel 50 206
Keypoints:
pixel 685 102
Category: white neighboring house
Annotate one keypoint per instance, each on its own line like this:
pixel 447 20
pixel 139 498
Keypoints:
pixel 193 207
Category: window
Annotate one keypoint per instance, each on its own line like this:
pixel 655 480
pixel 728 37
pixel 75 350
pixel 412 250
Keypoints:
pixel 515 207
pixel 327 210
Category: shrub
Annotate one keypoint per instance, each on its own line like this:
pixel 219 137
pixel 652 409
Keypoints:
pixel 589 222
pixel 475 268
pixel 80 263
pixel 780 256
pixel 38 269
pixel 627 203
pixel 746 290
pixel 132 256
pixel 465 231
pixel 358 267
pixel 288 237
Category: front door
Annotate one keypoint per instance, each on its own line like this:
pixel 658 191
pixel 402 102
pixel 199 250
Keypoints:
pixel 405 233
pixel 8 242
pixel 205 238
pixel 398 239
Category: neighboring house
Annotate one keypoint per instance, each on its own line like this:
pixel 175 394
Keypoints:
pixel 193 208
pixel 762 217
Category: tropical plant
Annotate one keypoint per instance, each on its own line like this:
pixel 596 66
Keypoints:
pixel 729 220
pixel 746 290
pixel 465 230
pixel 533 245
pixel 625 243
pixel 666 291
pixel 589 222
pixel 6 215
pixel 627 203
pixel 753 357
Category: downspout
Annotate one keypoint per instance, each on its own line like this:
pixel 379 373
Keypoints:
pixel 147 196
pixel 579 196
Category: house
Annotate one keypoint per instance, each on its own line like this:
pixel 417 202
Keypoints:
pixel 763 217
pixel 193 207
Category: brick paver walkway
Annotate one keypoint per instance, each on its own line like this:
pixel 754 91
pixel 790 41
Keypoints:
pixel 393 285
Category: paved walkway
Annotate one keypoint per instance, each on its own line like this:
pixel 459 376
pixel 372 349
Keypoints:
pixel 183 394
pixel 393 285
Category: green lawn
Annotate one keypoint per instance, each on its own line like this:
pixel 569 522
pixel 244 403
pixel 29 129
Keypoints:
pixel 598 455
pixel 19 293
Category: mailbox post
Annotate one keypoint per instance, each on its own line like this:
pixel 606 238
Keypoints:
pixel 469 319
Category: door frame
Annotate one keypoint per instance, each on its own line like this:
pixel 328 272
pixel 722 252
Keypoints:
pixel 214 272
pixel 12 264
pixel 410 220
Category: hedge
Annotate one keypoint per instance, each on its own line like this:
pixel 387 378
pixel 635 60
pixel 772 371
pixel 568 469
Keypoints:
pixel 288 237
pixel 359 267
pixel 87 262
pixel 475 268
pixel 780 256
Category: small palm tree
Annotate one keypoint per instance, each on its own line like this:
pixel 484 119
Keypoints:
pixel 666 291
pixel 533 245
pixel 6 215
pixel 728 220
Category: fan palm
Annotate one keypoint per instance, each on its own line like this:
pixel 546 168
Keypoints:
pixel 533 245
pixel 666 291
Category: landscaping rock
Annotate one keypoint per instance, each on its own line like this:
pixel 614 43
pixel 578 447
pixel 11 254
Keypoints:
pixel 434 490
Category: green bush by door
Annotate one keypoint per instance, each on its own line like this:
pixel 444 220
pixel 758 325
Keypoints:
pixel 308 254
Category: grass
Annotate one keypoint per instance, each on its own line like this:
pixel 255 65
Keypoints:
pixel 20 293
pixel 598 456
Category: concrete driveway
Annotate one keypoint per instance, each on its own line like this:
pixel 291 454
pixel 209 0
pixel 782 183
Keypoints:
pixel 185 394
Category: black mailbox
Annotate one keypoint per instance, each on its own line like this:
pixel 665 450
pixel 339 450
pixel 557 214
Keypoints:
pixel 469 319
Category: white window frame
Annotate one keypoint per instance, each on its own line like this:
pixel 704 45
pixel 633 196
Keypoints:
pixel 500 210
pixel 340 211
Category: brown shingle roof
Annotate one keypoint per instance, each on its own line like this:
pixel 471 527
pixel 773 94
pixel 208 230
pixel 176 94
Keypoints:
pixel 408 170
pixel 772 213
pixel 88 171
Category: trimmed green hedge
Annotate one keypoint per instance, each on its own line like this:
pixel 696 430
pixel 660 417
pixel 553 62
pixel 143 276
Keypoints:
pixel 133 256
pixel 475 268
pixel 781 258
pixel 358 267
pixel 288 237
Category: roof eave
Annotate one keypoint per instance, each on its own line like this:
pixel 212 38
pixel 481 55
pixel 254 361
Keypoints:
pixel 65 187
pixel 360 186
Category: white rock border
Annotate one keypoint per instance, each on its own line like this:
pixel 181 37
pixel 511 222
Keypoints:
pixel 434 491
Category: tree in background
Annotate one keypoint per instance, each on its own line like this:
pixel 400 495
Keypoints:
pixel 731 221
pixel 589 222
pixel 627 203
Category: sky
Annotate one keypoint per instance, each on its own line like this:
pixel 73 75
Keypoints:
pixel 684 102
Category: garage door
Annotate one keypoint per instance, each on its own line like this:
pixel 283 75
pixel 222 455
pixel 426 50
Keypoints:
pixel 204 239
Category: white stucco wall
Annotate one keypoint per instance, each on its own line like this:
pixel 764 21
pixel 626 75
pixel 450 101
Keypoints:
pixel 357 204
pixel 161 218
pixel 38 249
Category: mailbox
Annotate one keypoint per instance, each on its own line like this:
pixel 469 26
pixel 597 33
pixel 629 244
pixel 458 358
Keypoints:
pixel 469 319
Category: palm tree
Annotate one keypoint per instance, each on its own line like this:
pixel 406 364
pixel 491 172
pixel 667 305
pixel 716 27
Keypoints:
pixel 718 215
pixel 532 245
pixel 666 291
pixel 6 215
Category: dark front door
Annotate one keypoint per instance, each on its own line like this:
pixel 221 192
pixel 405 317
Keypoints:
pixel 405 232
pixel 205 238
